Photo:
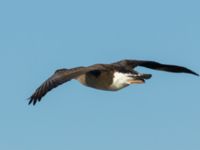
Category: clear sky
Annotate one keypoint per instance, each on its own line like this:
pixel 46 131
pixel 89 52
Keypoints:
pixel 37 37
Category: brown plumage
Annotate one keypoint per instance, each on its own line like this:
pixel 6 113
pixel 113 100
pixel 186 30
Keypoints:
pixel 110 77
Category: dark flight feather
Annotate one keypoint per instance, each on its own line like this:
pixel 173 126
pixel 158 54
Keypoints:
pixel 156 66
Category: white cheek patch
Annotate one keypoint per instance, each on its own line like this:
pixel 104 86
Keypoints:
pixel 121 80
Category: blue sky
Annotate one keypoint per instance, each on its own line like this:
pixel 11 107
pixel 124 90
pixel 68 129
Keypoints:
pixel 37 37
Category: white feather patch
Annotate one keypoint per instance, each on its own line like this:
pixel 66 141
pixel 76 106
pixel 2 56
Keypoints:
pixel 120 80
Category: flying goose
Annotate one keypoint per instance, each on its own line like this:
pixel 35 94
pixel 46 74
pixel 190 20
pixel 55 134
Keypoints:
pixel 110 77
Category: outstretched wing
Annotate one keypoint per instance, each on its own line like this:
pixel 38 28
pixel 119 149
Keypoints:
pixel 156 66
pixel 59 77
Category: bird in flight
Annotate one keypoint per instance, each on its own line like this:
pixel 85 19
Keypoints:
pixel 110 77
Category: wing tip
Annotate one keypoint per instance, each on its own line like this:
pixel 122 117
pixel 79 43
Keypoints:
pixel 33 100
pixel 194 73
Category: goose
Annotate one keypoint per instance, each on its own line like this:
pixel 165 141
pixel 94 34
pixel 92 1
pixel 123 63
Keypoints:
pixel 109 77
